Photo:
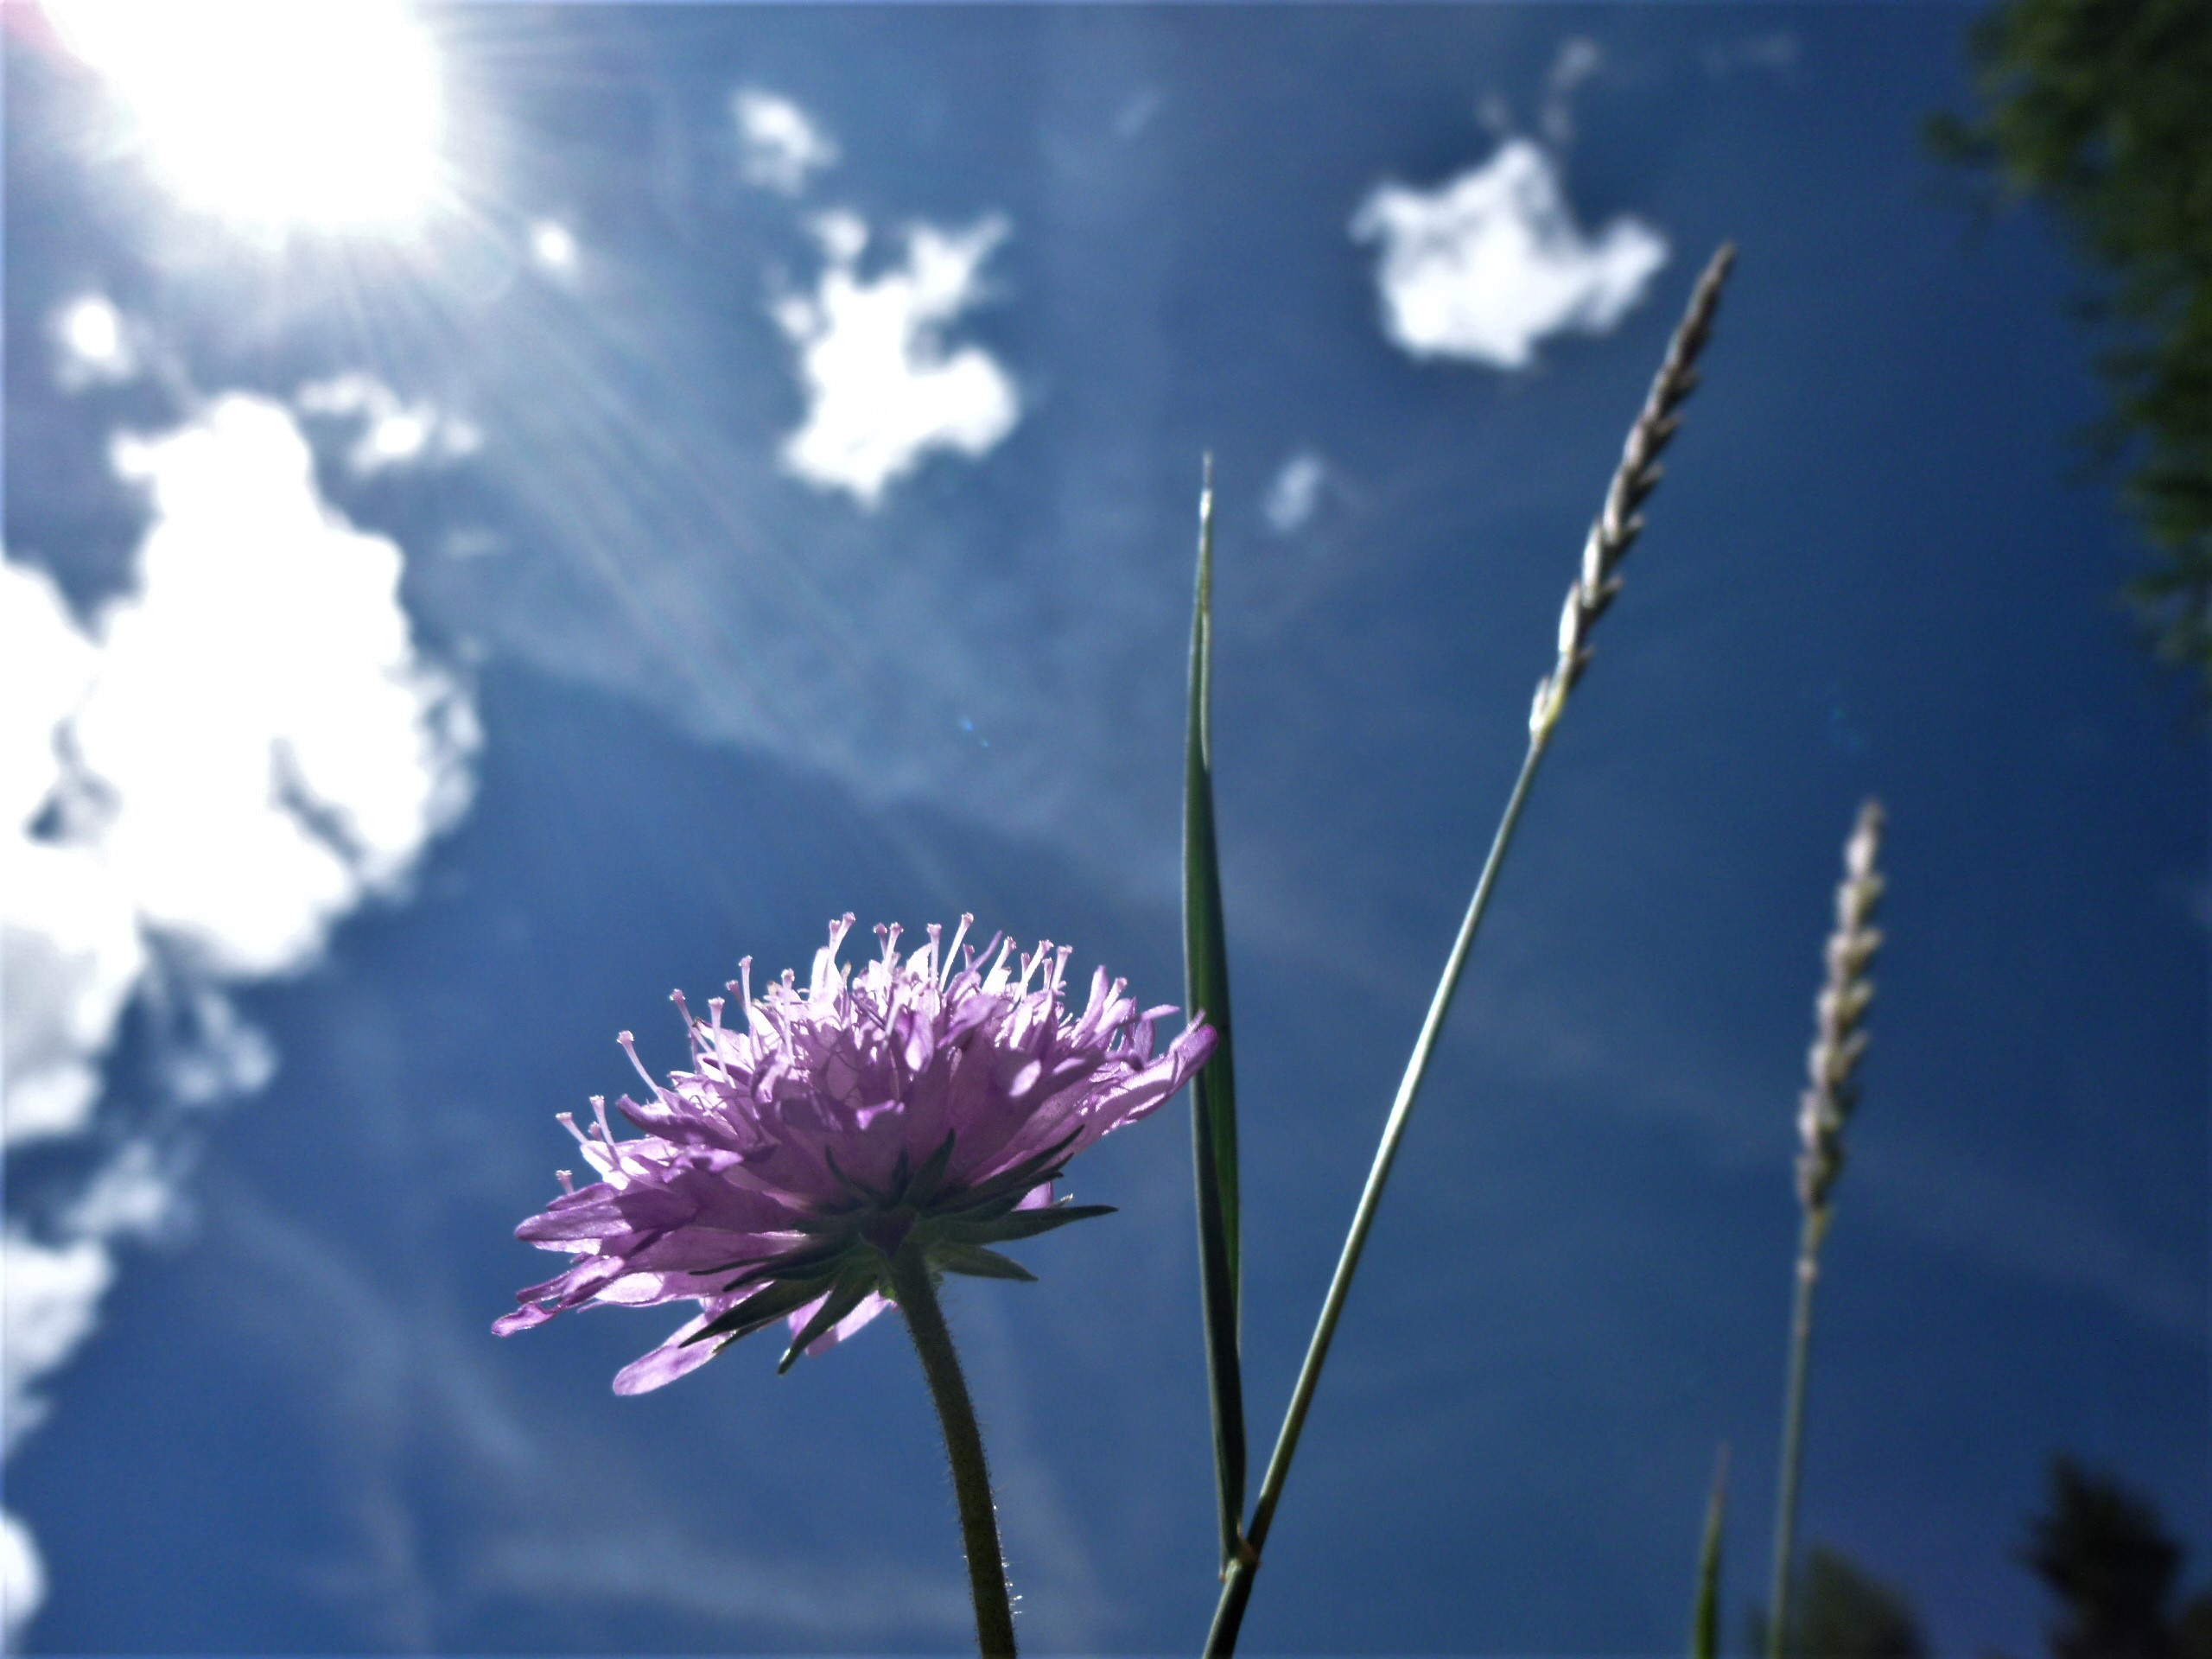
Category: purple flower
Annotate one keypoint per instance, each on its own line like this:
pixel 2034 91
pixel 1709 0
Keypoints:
pixel 911 1104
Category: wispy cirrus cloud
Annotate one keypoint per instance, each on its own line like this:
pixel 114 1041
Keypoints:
pixel 1775 53
pixel 1486 266
pixel 389 1364
pixel 1579 58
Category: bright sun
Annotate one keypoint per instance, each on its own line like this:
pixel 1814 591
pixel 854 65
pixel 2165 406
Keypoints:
pixel 275 114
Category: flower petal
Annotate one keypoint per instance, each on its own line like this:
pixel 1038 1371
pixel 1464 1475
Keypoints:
pixel 521 1319
pixel 664 1364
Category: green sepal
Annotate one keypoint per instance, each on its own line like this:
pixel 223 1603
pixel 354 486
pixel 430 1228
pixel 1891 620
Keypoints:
pixel 842 1254
pixel 764 1309
pixel 813 1259
pixel 851 1289
pixel 974 1260
pixel 1024 1223
pixel 861 1191
pixel 923 1186
pixel 1007 1189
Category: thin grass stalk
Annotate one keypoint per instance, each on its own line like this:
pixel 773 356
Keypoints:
pixel 1830 1096
pixel 1793 1432
pixel 1610 536
pixel 1705 1614
pixel 1213 1091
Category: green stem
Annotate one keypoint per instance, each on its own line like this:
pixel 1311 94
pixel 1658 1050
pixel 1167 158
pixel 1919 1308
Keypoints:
pixel 915 1292
pixel 1237 1588
pixel 1793 1430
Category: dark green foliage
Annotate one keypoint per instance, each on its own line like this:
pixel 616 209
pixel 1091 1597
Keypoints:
pixel 2105 1556
pixel 2193 1627
pixel 1840 1611
pixel 2101 108
pixel 1847 1613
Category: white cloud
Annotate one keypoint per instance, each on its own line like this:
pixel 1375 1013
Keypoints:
pixel 394 432
pixel 883 389
pixel 134 1195
pixel 218 1054
pixel 1295 494
pixel 70 947
pixel 1489 264
pixel 93 343
pixel 23 1580
pixel 779 146
pixel 239 750
pixel 49 1302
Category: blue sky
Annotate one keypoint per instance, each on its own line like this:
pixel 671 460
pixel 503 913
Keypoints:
pixel 643 481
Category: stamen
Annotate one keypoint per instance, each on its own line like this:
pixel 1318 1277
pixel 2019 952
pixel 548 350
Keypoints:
pixel 568 1179
pixel 1030 964
pixel 690 1025
pixel 567 1121
pixel 630 1046
pixel 959 933
pixel 743 986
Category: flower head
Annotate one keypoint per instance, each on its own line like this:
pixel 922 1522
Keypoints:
pixel 913 1104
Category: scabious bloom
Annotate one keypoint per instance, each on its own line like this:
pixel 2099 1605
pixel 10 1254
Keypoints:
pixel 914 1105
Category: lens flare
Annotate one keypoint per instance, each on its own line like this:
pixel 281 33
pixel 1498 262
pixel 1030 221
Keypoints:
pixel 274 114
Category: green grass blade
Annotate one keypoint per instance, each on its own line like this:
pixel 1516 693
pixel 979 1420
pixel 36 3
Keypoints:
pixel 1213 1092
pixel 1705 1620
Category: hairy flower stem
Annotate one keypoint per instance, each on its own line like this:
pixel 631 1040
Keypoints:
pixel 916 1293
pixel 1793 1429
pixel 1236 1587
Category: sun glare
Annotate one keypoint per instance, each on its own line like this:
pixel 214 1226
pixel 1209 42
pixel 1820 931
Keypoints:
pixel 275 114
pixel 92 330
